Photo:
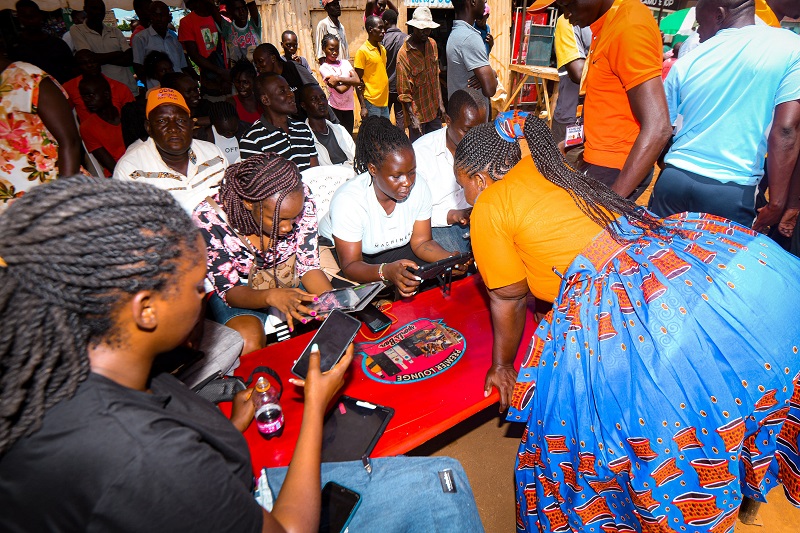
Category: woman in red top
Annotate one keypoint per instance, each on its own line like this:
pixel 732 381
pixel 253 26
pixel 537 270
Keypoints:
pixel 101 130
pixel 243 75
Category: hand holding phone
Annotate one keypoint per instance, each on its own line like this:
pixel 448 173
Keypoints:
pixel 332 338
pixel 400 274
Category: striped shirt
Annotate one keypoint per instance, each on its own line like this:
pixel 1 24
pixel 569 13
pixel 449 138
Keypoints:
pixel 297 146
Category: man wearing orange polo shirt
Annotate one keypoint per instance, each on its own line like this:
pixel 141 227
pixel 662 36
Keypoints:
pixel 626 119
pixel 771 12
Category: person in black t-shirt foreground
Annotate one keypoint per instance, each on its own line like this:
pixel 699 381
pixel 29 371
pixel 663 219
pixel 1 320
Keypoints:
pixel 89 440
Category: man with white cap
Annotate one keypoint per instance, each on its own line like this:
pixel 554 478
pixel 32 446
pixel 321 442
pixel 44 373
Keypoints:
pixel 418 77
pixel 170 159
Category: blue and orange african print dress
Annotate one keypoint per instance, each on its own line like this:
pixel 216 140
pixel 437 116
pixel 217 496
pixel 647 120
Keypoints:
pixel 663 386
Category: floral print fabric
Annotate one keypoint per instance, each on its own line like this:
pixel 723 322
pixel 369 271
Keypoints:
pixel 28 151
pixel 229 259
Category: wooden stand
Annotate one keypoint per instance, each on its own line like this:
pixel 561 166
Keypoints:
pixel 540 75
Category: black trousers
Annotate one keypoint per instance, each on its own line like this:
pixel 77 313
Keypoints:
pixel 609 176
pixel 679 190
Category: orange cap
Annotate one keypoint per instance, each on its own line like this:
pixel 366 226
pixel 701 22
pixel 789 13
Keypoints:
pixel 161 96
pixel 539 5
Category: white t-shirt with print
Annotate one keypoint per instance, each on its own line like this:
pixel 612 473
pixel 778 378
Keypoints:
pixel 355 215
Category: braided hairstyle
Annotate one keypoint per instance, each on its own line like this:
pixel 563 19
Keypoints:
pixel 219 111
pixel 377 137
pixel 328 38
pixel 256 179
pixel 74 250
pixel 483 149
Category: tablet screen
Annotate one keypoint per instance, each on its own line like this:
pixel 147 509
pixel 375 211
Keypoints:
pixel 352 429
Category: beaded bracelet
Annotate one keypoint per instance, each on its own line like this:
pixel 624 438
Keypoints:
pixel 380 272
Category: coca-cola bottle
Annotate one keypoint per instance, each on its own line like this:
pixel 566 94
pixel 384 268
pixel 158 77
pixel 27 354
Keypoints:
pixel 269 414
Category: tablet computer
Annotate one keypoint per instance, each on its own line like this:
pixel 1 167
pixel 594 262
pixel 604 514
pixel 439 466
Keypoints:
pixel 352 429
pixel 431 270
pixel 348 299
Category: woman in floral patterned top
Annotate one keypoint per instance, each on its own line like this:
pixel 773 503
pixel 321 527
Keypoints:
pixel 265 201
pixel 37 142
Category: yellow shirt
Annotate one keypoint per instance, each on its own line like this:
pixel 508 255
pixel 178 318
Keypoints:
pixel 376 83
pixel 565 43
pixel 764 12
pixel 522 226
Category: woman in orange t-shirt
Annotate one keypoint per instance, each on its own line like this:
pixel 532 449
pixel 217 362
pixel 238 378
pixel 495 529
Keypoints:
pixel 659 367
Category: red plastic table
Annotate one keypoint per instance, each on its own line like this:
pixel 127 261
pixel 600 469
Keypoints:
pixel 423 409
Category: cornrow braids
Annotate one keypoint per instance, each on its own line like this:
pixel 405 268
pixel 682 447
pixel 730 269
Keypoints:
pixel 256 179
pixel 73 249
pixel 329 38
pixel 483 149
pixel 377 137
pixel 221 110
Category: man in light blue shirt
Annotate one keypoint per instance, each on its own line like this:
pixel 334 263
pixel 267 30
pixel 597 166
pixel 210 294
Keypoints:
pixel 158 37
pixel 732 99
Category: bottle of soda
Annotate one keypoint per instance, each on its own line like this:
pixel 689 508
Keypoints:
pixel 269 414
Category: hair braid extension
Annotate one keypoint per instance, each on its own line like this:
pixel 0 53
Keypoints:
pixel 256 179
pixel 377 137
pixel 73 249
pixel 595 199
pixel 483 149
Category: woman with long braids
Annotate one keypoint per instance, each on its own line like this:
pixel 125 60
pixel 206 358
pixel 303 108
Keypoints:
pixel 663 385
pixel 262 215
pixel 97 278
pixel 380 221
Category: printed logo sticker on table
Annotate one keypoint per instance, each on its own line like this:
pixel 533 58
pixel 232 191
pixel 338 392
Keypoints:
pixel 418 350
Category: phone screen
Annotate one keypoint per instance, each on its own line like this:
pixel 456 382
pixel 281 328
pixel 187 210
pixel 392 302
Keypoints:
pixel 338 504
pixel 333 338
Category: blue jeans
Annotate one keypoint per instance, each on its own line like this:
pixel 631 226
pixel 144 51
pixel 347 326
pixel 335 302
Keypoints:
pixel 451 238
pixel 220 312
pixel 373 110
pixel 402 494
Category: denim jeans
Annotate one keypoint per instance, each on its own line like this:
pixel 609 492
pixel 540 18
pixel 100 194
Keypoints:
pixel 451 238
pixel 402 494
pixel 373 110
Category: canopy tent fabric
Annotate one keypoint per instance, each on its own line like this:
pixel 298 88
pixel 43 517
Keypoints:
pixel 681 22
pixel 52 5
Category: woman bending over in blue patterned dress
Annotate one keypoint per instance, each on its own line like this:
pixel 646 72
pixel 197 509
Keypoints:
pixel 663 386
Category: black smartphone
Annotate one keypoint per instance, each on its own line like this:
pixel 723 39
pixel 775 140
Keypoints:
pixel 339 504
pixel 374 318
pixel 333 337
pixel 431 270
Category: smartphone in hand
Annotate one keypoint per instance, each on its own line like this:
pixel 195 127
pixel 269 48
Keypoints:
pixel 333 338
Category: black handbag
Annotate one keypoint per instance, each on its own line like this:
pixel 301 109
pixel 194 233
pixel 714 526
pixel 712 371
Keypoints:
pixel 218 388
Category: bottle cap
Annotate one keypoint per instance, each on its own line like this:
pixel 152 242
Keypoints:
pixel 262 385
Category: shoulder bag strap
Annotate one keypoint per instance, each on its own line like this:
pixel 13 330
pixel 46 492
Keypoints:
pixel 224 218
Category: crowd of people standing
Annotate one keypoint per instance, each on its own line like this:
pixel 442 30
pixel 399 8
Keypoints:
pixel 661 386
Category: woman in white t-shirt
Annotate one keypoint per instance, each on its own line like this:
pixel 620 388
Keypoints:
pixel 380 221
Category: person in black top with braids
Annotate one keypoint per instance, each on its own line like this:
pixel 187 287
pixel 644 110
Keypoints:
pixel 97 278
pixel 275 222
pixel 658 346
pixel 380 221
